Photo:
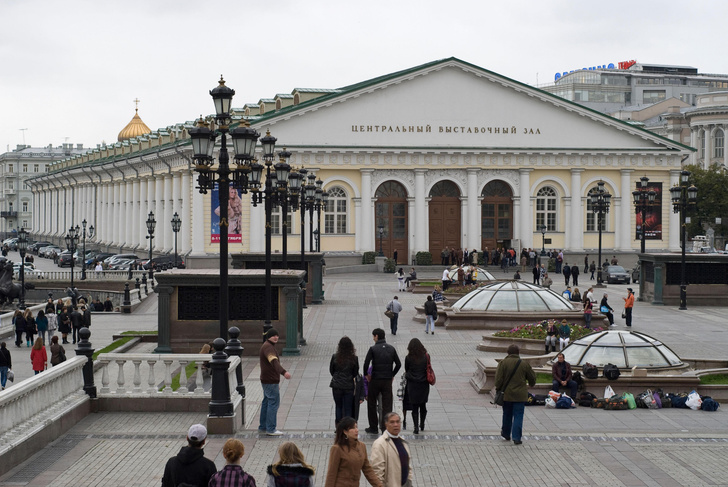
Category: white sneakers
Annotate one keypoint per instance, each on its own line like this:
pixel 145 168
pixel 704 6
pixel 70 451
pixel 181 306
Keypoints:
pixel 275 433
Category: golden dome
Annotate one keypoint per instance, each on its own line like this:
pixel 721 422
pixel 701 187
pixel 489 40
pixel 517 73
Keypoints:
pixel 134 128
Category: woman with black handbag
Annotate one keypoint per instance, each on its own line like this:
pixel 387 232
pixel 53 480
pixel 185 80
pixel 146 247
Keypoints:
pixel 344 368
pixel 418 389
pixel 510 378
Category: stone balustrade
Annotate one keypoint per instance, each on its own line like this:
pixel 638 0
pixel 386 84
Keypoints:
pixel 64 275
pixel 33 403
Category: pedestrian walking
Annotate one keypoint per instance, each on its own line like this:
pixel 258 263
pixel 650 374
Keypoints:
pixel 511 377
pixel 64 324
pixel 536 274
pixel 586 263
pixel 344 367
pixel 271 371
pixel 30 327
pixel 38 356
pixel 58 353
pixel 567 273
pixel 628 305
pixel 232 474
pixel 291 469
pixel 19 324
pixel 394 256
pixel 592 269
pixel 430 315
pixel 396 309
pixel 391 458
pixel 41 323
pixel 348 458
pixel 400 279
pixel 76 323
pixel 418 389
pixel 6 363
pixel 385 365
pixel 575 274
pixel 189 466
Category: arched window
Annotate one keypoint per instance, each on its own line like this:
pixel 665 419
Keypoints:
pixel 335 212
pixel 446 189
pixel 546 208
pixel 591 217
pixel 718 143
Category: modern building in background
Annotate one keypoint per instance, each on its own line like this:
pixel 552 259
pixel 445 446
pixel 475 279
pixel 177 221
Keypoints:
pixel 442 154
pixel 16 198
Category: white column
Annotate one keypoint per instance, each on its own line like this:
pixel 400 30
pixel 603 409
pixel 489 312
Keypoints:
pixel 725 144
pixel 166 224
pixel 673 240
pixel 708 146
pixel 177 207
pixel 114 213
pixel 624 232
pixel 568 223
pixel 474 237
pixel 189 225
pixel 159 213
pixel 141 230
pixel 367 210
pixel 150 207
pixel 412 230
pixel 357 219
pixel 133 238
pixel 527 224
pixel 694 144
pixel 200 233
pixel 420 209
pixel 576 243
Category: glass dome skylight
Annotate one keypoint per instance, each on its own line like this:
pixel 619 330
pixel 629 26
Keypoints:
pixel 623 348
pixel 512 296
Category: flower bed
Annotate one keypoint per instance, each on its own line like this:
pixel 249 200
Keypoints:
pixel 537 331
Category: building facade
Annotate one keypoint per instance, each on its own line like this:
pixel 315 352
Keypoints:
pixel 442 154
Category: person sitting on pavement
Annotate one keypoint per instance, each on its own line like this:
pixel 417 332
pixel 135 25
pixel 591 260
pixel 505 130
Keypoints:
pixel 190 465
pixel 412 276
pixel 561 372
pixel 552 334
pixel 517 275
pixel 437 295
pixel 567 293
pixel 564 335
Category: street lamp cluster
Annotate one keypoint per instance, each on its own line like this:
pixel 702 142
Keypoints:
pixel 72 238
pixel 683 197
pixel 600 200
pixel 644 199
pixel 282 186
pixel 22 248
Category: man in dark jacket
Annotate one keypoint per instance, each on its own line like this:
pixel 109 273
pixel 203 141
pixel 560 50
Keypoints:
pixel 190 467
pixel 561 372
pixel 575 274
pixel 516 392
pixel 383 357
pixel 567 273
pixel 76 322
pixel 430 315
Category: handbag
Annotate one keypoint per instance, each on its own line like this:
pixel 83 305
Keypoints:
pixel 499 398
pixel 624 314
pixel 389 313
pixel 61 356
pixel 604 309
pixel 431 379
pixel 11 375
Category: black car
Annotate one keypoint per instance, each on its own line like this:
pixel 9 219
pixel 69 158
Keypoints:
pixel 66 259
pixel 36 246
pixel 164 262
pixel 616 274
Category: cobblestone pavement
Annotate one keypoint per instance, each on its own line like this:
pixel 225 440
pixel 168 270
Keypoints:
pixel 460 446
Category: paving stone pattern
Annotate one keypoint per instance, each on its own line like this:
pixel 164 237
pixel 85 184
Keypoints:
pixel 461 444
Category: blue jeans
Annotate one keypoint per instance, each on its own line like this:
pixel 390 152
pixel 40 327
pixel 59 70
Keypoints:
pixel 393 323
pixel 3 375
pixel 572 385
pixel 269 407
pixel 513 420
pixel 344 403
pixel 429 323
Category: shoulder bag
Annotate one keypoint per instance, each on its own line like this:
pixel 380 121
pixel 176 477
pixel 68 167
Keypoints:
pixel 388 312
pixel 500 395
pixel 431 379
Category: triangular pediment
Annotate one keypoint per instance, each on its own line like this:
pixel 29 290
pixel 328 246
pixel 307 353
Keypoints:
pixel 453 104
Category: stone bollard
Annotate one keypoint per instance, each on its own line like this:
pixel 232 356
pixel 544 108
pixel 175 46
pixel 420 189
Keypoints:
pixel 220 403
pixel 126 304
pixel 84 348
pixel 144 283
pixel 235 348
pixel 138 284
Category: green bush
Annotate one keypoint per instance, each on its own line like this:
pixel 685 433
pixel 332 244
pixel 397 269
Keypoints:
pixel 551 265
pixel 368 258
pixel 423 258
pixel 389 267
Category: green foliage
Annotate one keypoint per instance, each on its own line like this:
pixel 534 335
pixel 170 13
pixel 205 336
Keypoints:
pixel 113 346
pixel 551 266
pixel 714 379
pixel 543 378
pixel 148 332
pixel 368 257
pixel 423 258
pixel 712 200
pixel 389 267
pixel 538 330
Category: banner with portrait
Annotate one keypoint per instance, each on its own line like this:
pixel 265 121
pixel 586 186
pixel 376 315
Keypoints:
pixel 235 216
pixel 653 215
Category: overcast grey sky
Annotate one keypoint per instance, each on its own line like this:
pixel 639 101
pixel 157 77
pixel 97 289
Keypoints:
pixel 71 69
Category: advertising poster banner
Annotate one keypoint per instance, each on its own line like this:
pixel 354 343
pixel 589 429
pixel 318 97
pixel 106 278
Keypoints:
pixel 235 216
pixel 653 216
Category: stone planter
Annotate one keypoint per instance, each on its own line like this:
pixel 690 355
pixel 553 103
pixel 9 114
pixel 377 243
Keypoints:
pixel 505 320
pixel 419 317
pixel 527 346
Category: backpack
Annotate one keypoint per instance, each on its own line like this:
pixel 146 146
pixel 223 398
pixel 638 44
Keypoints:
pixel 590 371
pixel 564 402
pixel 576 377
pixel 616 403
pixel 677 400
pixel 708 404
pixel 586 399
pixel 599 403
pixel 536 400
pixel 611 372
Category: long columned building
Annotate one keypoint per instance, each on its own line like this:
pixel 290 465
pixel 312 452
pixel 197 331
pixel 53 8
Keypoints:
pixel 442 154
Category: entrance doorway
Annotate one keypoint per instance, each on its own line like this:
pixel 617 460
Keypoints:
pixel 496 215
pixel 391 216
pixel 445 228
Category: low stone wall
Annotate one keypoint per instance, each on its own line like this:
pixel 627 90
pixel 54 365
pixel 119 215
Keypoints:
pixel 505 320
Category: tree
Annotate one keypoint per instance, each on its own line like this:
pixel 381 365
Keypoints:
pixel 712 184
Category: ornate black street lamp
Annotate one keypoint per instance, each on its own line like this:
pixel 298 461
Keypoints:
pixel 176 226
pixel 22 247
pixel 381 235
pixel 600 200
pixel 151 223
pixel 543 240
pixel 683 197
pixel 72 244
pixel 644 199
pixel 90 235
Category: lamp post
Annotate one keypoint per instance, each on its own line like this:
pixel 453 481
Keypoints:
pixel 302 191
pixel 151 223
pixel 176 226
pixel 644 199
pixel 543 240
pixel 90 235
pixel 71 244
pixel 381 236
pixel 22 247
pixel 600 200
pixel 683 197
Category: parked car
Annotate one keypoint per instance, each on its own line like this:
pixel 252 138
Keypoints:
pixel 37 245
pixel 12 243
pixel 49 251
pixel 97 257
pixel 66 259
pixel 121 264
pixel 616 274
pixel 113 260
pixel 163 262
pixel 28 272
